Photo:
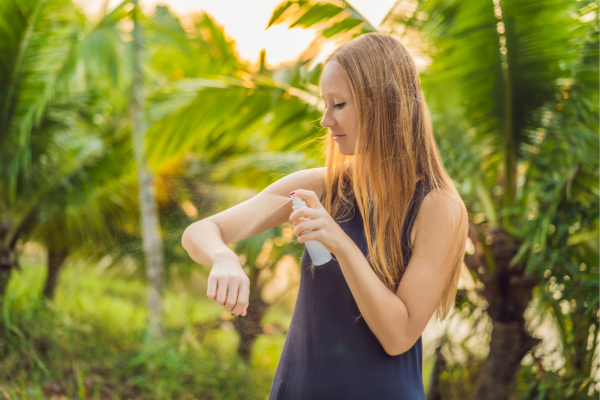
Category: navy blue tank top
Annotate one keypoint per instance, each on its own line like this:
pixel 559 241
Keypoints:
pixel 328 354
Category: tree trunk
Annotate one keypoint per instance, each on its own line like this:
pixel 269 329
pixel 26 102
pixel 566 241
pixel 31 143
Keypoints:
pixel 507 291
pixel 250 326
pixel 8 243
pixel 56 258
pixel 509 344
pixel 153 249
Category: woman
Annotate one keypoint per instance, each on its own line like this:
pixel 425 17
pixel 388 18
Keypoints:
pixel 357 323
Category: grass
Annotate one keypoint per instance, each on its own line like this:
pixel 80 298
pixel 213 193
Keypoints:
pixel 90 343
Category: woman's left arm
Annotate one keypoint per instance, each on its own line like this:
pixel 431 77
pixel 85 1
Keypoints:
pixel 397 319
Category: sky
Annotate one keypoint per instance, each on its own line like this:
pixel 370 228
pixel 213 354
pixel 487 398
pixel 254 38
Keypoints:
pixel 244 21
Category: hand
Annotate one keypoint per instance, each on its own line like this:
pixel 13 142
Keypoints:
pixel 322 226
pixel 229 286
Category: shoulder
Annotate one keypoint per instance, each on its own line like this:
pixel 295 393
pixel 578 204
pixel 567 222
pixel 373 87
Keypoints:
pixel 311 173
pixel 442 200
pixel 439 211
pixel 309 179
pixel 315 178
pixel 318 177
pixel 321 171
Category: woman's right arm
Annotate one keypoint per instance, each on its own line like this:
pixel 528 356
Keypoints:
pixel 206 240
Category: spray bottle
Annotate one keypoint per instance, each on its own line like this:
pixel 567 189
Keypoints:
pixel 318 253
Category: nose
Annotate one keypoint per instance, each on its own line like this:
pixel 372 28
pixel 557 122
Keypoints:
pixel 327 121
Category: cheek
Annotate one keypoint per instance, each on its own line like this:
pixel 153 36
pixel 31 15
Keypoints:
pixel 350 123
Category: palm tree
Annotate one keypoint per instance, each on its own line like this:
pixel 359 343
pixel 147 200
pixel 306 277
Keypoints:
pixel 47 103
pixel 40 42
pixel 246 127
pixel 501 75
pixel 533 65
pixel 57 158
pixel 76 211
pixel 147 191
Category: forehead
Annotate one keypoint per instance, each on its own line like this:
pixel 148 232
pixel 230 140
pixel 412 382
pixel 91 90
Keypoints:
pixel 333 80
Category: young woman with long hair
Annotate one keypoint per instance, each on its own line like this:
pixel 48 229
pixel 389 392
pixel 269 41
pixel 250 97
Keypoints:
pixel 388 212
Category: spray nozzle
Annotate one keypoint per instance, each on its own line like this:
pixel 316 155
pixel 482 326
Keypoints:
pixel 298 202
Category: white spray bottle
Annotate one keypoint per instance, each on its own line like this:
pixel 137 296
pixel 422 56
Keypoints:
pixel 318 253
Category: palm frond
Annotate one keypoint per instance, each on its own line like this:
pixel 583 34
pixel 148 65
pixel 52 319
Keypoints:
pixel 334 22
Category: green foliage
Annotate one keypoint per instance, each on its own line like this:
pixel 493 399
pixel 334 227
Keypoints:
pixel 513 90
pixel 66 167
pixel 91 340
pixel 320 14
pixel 536 384
pixel 459 380
pixel 333 20
pixel 69 173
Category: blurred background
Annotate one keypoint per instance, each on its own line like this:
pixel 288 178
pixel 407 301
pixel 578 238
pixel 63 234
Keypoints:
pixel 123 123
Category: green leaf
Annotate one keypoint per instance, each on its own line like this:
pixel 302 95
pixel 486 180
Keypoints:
pixel 342 26
pixel 317 13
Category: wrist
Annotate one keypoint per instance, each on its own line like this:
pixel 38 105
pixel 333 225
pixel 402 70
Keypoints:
pixel 345 246
pixel 225 256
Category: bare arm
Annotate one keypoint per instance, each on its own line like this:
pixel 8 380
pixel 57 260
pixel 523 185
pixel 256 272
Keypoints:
pixel 206 240
pixel 398 319
pixel 203 242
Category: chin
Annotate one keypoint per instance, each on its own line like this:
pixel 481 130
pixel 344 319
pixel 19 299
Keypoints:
pixel 343 150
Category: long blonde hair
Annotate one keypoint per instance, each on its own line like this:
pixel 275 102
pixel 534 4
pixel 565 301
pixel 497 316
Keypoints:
pixel 395 144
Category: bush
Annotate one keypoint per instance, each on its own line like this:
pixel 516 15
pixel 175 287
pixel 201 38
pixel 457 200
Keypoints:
pixel 91 343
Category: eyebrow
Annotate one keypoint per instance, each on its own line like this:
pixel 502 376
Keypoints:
pixel 321 96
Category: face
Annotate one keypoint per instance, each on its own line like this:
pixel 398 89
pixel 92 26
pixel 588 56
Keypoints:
pixel 340 111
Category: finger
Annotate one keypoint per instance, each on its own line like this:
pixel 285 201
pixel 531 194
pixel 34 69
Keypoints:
pixel 211 292
pixel 297 215
pixel 245 311
pixel 243 296
pixel 298 218
pixel 305 212
pixel 222 290
pixel 232 295
pixel 312 235
pixel 306 225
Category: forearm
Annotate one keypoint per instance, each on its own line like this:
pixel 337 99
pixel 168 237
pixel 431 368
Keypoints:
pixel 202 240
pixel 383 311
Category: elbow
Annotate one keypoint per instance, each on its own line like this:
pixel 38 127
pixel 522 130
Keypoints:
pixel 185 237
pixel 396 351
pixel 188 234
pixel 398 348
pixel 393 351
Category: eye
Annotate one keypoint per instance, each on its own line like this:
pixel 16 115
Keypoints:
pixel 339 106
